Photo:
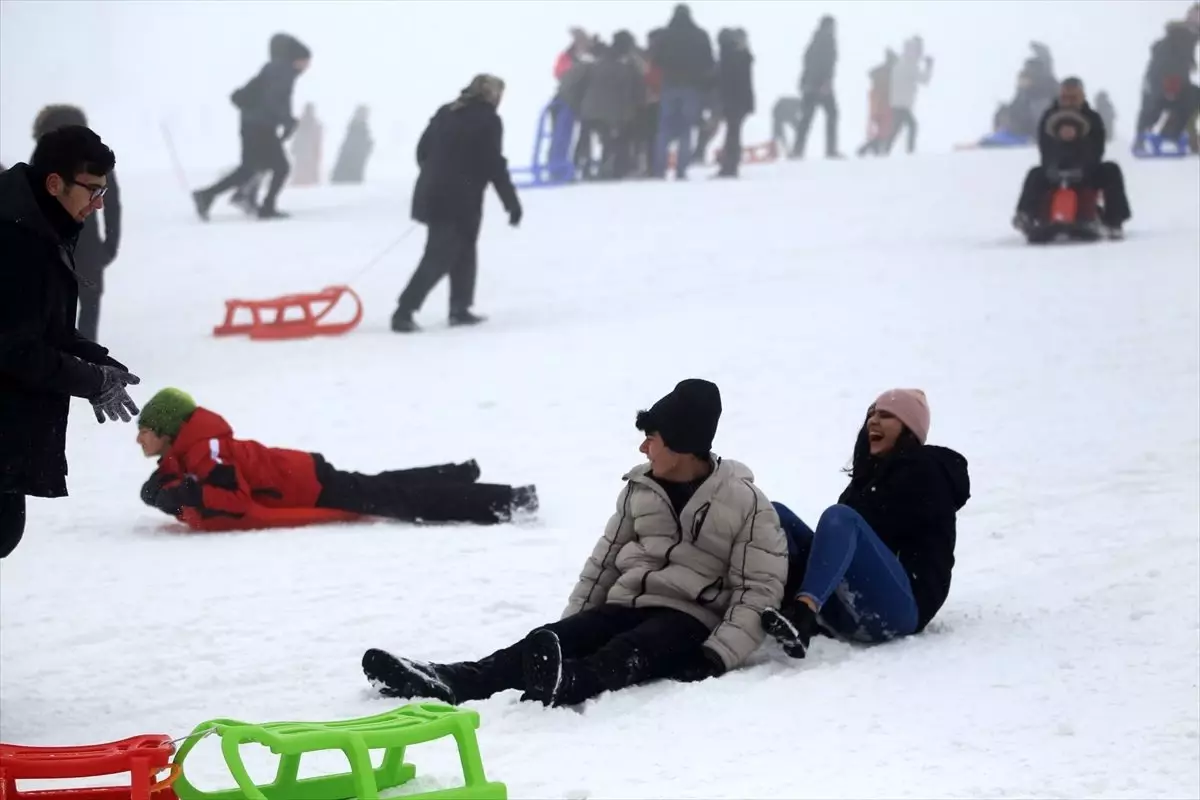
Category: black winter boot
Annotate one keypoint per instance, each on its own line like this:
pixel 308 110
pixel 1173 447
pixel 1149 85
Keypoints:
pixel 400 677
pixel 793 627
pixel 543 667
pixel 402 322
pixel 459 318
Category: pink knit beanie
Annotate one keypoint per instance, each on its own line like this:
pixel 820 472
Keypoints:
pixel 910 407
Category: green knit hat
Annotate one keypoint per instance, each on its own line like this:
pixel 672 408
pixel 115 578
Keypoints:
pixel 166 412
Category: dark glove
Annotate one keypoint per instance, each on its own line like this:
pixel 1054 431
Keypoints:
pixel 514 215
pixel 112 399
pixel 703 664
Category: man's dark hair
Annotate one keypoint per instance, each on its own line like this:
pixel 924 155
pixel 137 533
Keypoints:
pixel 71 150
pixel 1072 83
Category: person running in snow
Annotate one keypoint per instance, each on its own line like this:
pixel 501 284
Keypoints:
pixel 44 361
pixel 211 481
pixel 675 587
pixel 266 108
pixel 460 153
pixel 878 564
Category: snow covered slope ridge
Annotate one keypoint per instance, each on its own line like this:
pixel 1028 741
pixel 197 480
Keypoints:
pixel 1064 664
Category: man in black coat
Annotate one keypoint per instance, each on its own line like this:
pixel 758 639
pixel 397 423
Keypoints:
pixel 1071 136
pixel 266 107
pixel 44 362
pixel 460 153
pixel 816 89
pixel 684 54
pixel 93 253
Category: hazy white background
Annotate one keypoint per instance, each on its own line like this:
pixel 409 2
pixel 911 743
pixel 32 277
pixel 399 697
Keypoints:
pixel 135 63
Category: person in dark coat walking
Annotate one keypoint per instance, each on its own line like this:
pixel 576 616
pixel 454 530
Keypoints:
pixel 93 253
pixel 266 108
pixel 44 362
pixel 684 54
pixel 878 566
pixel 816 89
pixel 736 84
pixel 460 153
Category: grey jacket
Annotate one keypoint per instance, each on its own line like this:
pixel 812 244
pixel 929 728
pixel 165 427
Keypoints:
pixel 723 560
pixel 614 93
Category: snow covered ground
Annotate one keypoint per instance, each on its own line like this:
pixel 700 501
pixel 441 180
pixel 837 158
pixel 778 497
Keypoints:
pixel 1064 664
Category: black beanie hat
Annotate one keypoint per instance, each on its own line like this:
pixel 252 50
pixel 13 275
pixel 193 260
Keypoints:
pixel 686 419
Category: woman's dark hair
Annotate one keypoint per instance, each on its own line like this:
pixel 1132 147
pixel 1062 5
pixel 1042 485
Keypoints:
pixel 862 463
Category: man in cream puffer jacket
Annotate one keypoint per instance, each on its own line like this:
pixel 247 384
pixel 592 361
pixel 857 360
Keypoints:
pixel 674 589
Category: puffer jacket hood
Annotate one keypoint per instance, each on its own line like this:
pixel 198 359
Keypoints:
pixel 722 560
pixel 953 466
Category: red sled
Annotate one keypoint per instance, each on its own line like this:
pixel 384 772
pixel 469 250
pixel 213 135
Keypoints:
pixel 262 518
pixel 269 319
pixel 143 757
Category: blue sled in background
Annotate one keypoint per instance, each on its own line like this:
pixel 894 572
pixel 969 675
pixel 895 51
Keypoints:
pixel 1005 139
pixel 1155 145
pixel 555 131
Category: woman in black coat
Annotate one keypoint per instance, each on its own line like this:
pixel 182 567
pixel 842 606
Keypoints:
pixel 878 565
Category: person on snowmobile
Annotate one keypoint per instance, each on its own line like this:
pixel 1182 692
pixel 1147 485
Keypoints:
pixel 675 587
pixel 1071 136
pixel 878 565
pixel 211 481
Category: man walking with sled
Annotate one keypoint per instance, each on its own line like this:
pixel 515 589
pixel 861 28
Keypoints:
pixel 211 481
pixel 44 361
pixel 460 153
pixel 674 588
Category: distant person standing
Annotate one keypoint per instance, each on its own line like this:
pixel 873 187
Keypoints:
pixel 735 81
pixel 306 148
pixel 93 253
pixel 351 164
pixel 44 362
pixel 816 89
pixel 459 154
pixel 683 51
pixel 266 107
pixel 914 69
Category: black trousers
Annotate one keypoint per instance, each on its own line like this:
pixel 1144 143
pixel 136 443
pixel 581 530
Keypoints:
pixel 1106 177
pixel 605 648
pixel 262 150
pixel 731 151
pixel 12 522
pixel 809 103
pixel 89 311
pixel 443 493
pixel 450 249
pixel 902 118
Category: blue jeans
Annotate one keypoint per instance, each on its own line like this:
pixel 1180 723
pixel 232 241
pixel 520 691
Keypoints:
pixel 678 117
pixel 858 583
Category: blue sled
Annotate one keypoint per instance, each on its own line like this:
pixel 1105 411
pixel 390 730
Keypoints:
pixel 1005 139
pixel 556 126
pixel 1154 145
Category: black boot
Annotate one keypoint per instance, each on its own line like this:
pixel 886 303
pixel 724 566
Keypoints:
pixel 543 667
pixel 465 318
pixel 402 322
pixel 400 677
pixel 203 201
pixel 793 627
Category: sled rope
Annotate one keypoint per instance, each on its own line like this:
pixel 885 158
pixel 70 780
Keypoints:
pixel 380 256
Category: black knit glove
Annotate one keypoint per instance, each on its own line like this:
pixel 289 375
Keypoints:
pixel 514 215
pixel 112 399
pixel 703 664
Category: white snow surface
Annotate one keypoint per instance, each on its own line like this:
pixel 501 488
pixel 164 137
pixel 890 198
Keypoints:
pixel 1064 664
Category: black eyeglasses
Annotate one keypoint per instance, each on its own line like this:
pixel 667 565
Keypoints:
pixel 97 191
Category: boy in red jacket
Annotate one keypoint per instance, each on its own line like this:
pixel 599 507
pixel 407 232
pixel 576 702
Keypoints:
pixel 212 481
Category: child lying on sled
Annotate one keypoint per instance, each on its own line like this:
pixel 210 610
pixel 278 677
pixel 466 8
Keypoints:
pixel 213 482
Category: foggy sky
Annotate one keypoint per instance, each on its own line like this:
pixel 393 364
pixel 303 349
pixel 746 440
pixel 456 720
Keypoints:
pixel 135 64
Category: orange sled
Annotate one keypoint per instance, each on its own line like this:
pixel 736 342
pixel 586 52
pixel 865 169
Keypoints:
pixel 269 319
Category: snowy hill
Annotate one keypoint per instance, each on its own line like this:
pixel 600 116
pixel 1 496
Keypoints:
pixel 1065 662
